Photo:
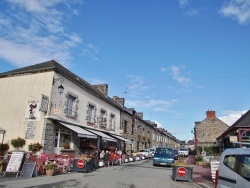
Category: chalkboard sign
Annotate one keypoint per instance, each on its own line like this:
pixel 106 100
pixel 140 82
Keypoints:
pixel 15 162
pixel 29 169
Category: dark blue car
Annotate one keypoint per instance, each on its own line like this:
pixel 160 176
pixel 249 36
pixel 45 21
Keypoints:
pixel 163 156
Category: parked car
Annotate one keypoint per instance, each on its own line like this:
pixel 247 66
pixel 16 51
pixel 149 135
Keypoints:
pixel 234 168
pixel 183 152
pixel 152 150
pixel 163 156
pixel 176 154
pixel 145 152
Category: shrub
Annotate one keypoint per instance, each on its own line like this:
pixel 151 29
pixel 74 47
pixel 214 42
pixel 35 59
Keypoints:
pixel 199 158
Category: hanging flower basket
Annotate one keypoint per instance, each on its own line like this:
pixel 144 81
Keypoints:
pixel 18 142
pixel 35 147
pixel 4 147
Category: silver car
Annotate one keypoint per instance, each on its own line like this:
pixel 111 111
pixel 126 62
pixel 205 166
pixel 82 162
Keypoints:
pixel 234 168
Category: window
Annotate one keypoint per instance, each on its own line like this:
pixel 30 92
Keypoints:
pixel 125 126
pixel 71 105
pixel 91 113
pixel 102 118
pixel 230 161
pixel 44 103
pixel 62 137
pixel 245 167
pixel 112 122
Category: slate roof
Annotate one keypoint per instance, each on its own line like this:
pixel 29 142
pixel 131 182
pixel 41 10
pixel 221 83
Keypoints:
pixel 242 122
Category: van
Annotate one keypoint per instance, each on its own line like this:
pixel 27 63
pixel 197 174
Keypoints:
pixel 234 169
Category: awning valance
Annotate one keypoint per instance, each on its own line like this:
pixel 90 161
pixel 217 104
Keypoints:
pixel 81 132
pixel 127 141
pixel 103 135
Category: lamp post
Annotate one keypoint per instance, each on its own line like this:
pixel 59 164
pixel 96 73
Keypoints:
pixel 195 139
pixel 60 88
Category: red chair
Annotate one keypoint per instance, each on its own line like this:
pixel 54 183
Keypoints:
pixel 40 164
pixel 43 156
pixel 33 158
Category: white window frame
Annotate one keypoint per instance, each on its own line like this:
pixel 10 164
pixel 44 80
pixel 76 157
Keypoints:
pixel 71 105
pixel 91 113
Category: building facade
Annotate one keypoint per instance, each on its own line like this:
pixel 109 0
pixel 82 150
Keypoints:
pixel 208 130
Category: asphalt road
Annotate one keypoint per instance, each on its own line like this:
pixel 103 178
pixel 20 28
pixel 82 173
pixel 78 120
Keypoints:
pixel 139 174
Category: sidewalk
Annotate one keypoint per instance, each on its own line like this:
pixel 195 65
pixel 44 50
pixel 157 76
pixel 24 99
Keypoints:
pixel 201 174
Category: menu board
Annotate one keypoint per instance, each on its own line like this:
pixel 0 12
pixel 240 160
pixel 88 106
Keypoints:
pixel 28 169
pixel 15 162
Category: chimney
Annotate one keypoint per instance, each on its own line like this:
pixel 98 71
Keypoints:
pixel 102 88
pixel 211 114
pixel 140 115
pixel 121 101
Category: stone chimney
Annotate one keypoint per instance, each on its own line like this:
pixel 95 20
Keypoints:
pixel 121 101
pixel 211 114
pixel 102 88
pixel 140 115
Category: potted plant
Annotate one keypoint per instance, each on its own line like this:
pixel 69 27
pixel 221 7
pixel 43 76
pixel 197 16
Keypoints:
pixel 199 160
pixel 3 148
pixel 18 142
pixel 66 146
pixel 35 147
pixel 50 167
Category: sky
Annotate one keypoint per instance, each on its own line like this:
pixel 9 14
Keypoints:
pixel 171 59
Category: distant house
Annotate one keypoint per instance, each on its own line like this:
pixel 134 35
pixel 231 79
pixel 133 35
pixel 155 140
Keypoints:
pixel 190 144
pixel 208 130
pixel 238 132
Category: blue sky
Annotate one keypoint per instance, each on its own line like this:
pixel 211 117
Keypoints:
pixel 172 60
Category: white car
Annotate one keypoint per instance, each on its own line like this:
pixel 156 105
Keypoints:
pixel 146 153
pixel 183 152
pixel 152 151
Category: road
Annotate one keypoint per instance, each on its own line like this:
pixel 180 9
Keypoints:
pixel 139 174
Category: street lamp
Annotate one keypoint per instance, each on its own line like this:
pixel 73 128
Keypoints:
pixel 60 88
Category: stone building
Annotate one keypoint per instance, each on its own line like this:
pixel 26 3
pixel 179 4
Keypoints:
pixel 208 130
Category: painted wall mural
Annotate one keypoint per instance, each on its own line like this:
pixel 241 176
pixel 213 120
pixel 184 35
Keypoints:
pixel 32 110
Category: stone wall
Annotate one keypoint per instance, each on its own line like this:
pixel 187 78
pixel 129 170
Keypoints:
pixel 208 130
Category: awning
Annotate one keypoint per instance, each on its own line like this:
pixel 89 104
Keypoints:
pixel 81 132
pixel 127 141
pixel 103 135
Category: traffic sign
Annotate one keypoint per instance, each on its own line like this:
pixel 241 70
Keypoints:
pixel 181 171
pixel 80 163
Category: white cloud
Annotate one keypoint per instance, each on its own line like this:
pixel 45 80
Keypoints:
pixel 154 105
pixel 183 3
pixel 230 117
pixel 34 31
pixel 238 10
pixel 163 69
pixel 177 75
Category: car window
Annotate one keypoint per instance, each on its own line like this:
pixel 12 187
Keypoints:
pixel 164 150
pixel 230 161
pixel 245 167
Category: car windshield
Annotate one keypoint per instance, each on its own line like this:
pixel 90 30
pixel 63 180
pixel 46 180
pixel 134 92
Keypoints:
pixel 182 149
pixel 164 150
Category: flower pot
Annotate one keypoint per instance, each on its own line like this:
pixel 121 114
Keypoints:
pixel 50 172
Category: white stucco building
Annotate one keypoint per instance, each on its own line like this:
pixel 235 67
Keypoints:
pixel 47 103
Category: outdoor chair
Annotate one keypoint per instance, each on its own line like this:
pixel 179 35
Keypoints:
pixel 64 165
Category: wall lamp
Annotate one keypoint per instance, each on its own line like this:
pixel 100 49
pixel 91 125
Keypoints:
pixel 60 88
